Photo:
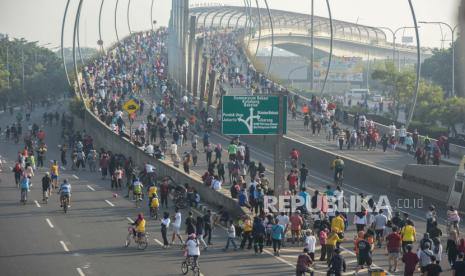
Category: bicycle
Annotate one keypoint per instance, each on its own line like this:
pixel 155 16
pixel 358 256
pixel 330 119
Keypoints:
pixel 23 196
pixel 189 263
pixel 139 238
pixel 65 203
pixel 154 213
pixel 339 178
pixel 45 195
pixel 138 200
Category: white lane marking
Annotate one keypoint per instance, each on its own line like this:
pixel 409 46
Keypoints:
pixel 64 246
pixel 129 219
pixel 37 203
pixel 90 188
pixel 109 203
pixel 278 258
pixel 10 168
pixel 79 270
pixel 49 223
pixel 75 176
pixel 159 242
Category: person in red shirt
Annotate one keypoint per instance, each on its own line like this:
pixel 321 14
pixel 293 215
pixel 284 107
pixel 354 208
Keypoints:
pixel 393 244
pixel 410 260
pixel 292 179
pixel 294 157
pixel 296 226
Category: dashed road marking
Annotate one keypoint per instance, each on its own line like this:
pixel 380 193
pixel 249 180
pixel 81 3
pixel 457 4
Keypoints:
pixel 129 219
pixel 109 203
pixel 90 188
pixel 75 176
pixel 64 246
pixel 49 223
pixel 79 270
pixel 159 242
pixel 37 203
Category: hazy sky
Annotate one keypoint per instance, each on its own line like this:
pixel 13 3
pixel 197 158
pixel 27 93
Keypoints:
pixel 40 20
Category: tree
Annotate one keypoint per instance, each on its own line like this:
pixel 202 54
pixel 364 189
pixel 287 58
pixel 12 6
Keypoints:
pixel 438 68
pixel 452 112
pixel 43 72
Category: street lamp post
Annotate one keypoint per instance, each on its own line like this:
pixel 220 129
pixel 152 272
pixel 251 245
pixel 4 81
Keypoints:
pixel 330 47
pixel 62 42
pixel 100 41
pixel 152 22
pixel 259 27
pixel 312 51
pixel 394 38
pixel 116 27
pixel 127 16
pixel 272 37
pixel 417 85
pixel 452 30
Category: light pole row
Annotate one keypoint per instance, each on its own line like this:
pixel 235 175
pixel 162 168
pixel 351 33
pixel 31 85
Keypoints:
pixel 452 30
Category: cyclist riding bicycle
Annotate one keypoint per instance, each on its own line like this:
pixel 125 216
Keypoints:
pixel 152 192
pixel 137 188
pixel 193 248
pixel 139 228
pixel 24 184
pixel 338 166
pixel 65 192
pixel 294 157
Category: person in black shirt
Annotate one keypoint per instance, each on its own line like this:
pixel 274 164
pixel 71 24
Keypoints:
pixel 458 268
pixel 433 269
pixel 337 264
pixel 303 176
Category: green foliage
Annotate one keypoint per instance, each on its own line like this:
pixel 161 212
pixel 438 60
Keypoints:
pixel 452 112
pixel 76 105
pixel 438 68
pixel 43 72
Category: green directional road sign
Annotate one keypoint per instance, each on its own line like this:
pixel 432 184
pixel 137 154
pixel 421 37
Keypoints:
pixel 252 115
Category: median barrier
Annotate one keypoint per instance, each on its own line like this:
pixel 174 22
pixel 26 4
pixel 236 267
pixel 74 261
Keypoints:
pixel 104 137
pixel 432 182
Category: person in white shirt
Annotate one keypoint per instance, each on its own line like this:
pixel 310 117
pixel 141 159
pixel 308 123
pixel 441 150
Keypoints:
pixel 216 184
pixel 149 149
pixel 177 226
pixel 193 248
pixel 174 152
pixel 231 236
pixel 339 196
pixel 310 242
pixel 165 223
pixel 283 220
pixel 392 130
pixel 402 134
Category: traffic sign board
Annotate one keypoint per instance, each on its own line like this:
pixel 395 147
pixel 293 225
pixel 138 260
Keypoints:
pixel 252 115
pixel 131 106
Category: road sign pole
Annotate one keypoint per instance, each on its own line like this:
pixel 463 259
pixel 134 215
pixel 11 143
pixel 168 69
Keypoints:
pixel 278 151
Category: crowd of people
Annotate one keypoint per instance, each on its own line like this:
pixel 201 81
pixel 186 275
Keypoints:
pixel 137 67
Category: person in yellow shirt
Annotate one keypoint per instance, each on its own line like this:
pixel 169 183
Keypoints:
pixel 338 222
pixel 54 173
pixel 331 242
pixel 153 190
pixel 154 203
pixel 247 234
pixel 408 234
pixel 140 226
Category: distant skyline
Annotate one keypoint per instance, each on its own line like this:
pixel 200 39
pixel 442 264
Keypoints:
pixel 41 20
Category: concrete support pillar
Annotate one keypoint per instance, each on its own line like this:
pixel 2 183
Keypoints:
pixel 190 54
pixel 196 69
pixel 203 80
pixel 212 87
